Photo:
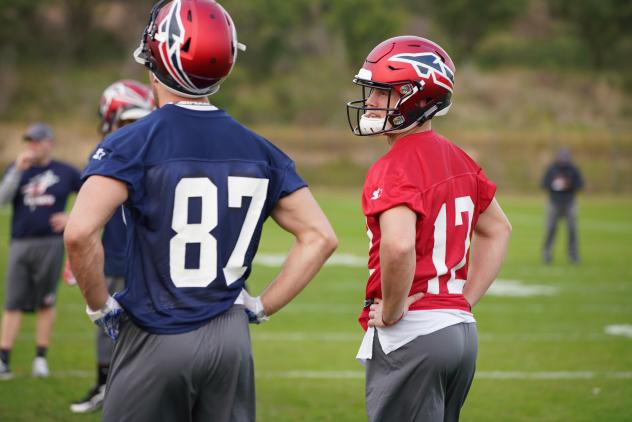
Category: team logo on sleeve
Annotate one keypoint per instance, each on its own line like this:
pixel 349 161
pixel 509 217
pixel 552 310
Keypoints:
pixel 99 154
pixel 428 65
pixel 376 194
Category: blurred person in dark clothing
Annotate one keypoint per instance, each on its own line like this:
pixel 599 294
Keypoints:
pixel 562 180
pixel 37 186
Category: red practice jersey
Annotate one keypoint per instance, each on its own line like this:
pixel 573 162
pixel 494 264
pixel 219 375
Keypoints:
pixel 448 191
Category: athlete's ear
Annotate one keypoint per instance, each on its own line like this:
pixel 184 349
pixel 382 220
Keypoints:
pixel 153 83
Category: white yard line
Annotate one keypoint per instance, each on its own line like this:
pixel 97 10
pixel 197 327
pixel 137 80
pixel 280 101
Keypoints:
pixel 340 259
pixel 335 337
pixel 624 330
pixel 335 375
pixel 261 335
pixel 495 375
pixel 516 288
pixel 493 308
pixel 552 375
pixel 53 374
pixel 264 335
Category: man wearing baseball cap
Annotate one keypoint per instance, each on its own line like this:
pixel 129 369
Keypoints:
pixel 37 187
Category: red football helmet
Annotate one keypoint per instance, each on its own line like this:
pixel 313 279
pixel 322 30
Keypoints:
pixel 419 70
pixel 190 45
pixel 124 100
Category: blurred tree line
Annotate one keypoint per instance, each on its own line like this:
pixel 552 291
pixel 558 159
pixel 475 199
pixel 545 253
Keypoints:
pixel 59 54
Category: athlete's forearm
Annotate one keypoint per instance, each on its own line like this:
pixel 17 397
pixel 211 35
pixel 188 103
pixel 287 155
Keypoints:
pixel 97 200
pixel 398 269
pixel 306 257
pixel 9 186
pixel 486 256
pixel 86 260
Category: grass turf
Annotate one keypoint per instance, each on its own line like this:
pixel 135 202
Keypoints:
pixel 544 358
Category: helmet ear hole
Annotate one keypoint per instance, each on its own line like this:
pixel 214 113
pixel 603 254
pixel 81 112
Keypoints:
pixel 405 89
pixel 186 46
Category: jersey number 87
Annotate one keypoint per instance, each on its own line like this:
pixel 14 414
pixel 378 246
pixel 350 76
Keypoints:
pixel 199 233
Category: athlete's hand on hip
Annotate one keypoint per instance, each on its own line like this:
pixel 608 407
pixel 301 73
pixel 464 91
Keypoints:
pixel 376 317
pixel 254 308
pixel 107 317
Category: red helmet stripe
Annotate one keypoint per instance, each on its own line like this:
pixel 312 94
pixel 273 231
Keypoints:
pixel 169 64
pixel 173 34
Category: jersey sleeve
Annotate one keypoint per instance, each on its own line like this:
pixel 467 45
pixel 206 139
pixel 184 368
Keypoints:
pixel 76 180
pixel 9 185
pixel 119 157
pixel 390 189
pixel 486 191
pixel 286 179
pixel 291 181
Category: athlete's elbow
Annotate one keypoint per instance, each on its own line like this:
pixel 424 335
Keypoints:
pixel 506 229
pixel 397 246
pixel 328 241
pixel 75 237
pixel 332 242
pixel 322 239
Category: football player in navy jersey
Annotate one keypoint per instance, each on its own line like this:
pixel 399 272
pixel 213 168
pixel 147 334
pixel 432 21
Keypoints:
pixel 122 103
pixel 423 200
pixel 198 186
pixel 38 187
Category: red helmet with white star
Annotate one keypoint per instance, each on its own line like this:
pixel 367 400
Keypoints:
pixel 419 70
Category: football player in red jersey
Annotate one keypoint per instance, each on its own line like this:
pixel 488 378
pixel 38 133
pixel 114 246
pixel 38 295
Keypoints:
pixel 424 201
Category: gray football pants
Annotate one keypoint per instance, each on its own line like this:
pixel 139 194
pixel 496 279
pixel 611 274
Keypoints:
pixel 202 375
pixel 33 269
pixel 553 213
pixel 425 380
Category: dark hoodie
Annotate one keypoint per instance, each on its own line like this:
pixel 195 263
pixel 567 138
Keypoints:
pixel 562 178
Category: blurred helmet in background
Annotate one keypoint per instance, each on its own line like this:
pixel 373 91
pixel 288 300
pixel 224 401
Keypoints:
pixel 417 69
pixel 189 45
pixel 124 100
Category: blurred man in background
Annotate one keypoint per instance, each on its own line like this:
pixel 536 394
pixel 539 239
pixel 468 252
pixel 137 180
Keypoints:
pixel 38 187
pixel 562 180
pixel 199 187
pixel 122 103
pixel 422 201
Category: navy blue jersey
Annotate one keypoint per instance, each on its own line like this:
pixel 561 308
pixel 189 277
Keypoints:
pixel 114 241
pixel 42 192
pixel 200 186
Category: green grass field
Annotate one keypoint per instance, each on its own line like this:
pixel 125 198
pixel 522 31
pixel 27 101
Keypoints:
pixel 543 357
